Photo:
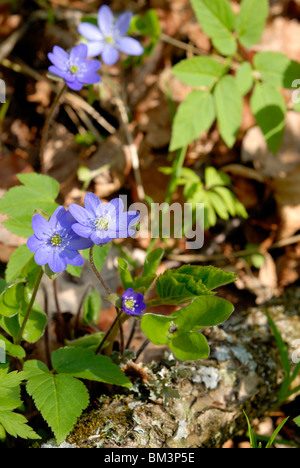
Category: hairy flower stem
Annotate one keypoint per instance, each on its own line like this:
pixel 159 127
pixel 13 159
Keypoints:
pixel 29 308
pixel 117 324
pixel 47 126
pixel 112 332
pixel 104 284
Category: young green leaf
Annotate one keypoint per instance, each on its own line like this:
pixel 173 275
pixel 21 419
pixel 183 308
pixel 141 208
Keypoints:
pixel 19 259
pixel 100 254
pixel 217 21
pixel 91 307
pixel 11 300
pixel 199 71
pixel 194 116
pixel 251 21
pixel 269 108
pixel 229 106
pixel 125 275
pixel 19 225
pixel 210 276
pixel 152 262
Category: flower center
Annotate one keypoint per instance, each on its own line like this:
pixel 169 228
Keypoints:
pixel 102 223
pixel 130 303
pixel 56 240
pixel 74 69
pixel 109 40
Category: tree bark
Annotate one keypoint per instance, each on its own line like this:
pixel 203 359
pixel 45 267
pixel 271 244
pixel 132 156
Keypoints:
pixel 243 373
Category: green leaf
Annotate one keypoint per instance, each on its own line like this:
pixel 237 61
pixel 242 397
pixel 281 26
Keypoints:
pixel 217 21
pixel 215 178
pixel 37 321
pixel 74 270
pixel 244 78
pixel 90 342
pixel 277 69
pixel 251 21
pixel 59 397
pixel 210 276
pixel 38 191
pixel 297 420
pixel 11 300
pixel 156 328
pixel 252 435
pixel 19 225
pixel 199 71
pixel 276 432
pixel 14 424
pixel 91 307
pixel 233 205
pixel 190 346
pixel 19 259
pixel 176 287
pixel 194 116
pixel 84 364
pixel 203 312
pixel 143 283
pixel 12 349
pixel 125 274
pixel 269 108
pixel 152 262
pixel 100 254
pixel 229 106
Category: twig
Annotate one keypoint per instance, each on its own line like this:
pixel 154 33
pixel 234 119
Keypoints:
pixel 142 349
pixel 241 253
pixel 132 150
pixel 47 126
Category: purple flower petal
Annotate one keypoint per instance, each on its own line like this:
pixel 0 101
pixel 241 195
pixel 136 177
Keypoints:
pixel 73 258
pixel 83 231
pixel 81 215
pixel 61 53
pixel 89 78
pixel 33 243
pixel 110 55
pixel 40 227
pixel 57 71
pixel 74 85
pixel 90 32
pixel 79 243
pixel 130 46
pixel 57 262
pixel 58 62
pixel 123 23
pixel 106 20
pixel 101 237
pixel 57 215
pixel 91 203
pixel 95 48
pixel 93 65
pixel 79 53
pixel 43 254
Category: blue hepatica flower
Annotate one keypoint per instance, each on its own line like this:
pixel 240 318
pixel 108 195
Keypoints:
pixel 133 303
pixel 54 243
pixel 103 222
pixel 109 38
pixel 74 68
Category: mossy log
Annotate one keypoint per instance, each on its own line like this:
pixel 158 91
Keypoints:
pixel 243 373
